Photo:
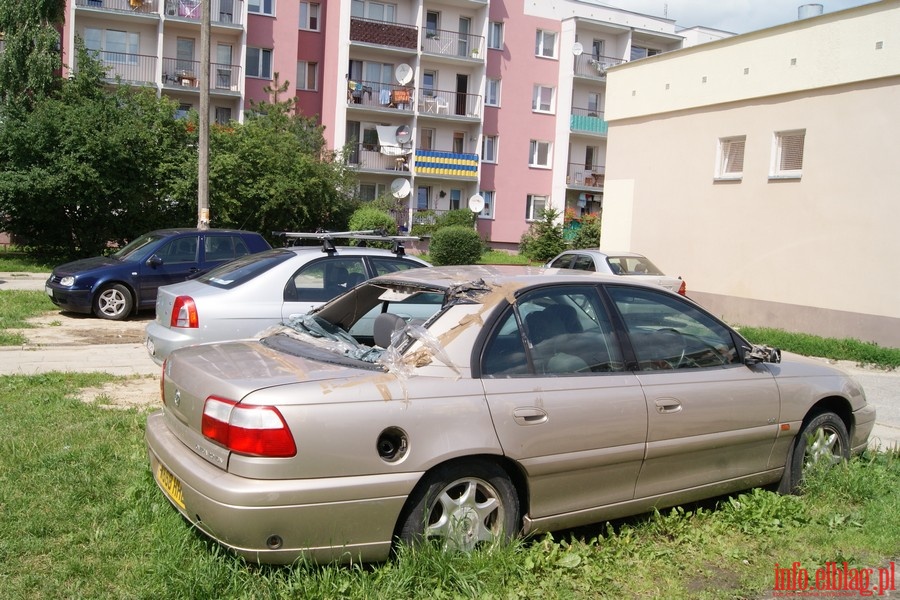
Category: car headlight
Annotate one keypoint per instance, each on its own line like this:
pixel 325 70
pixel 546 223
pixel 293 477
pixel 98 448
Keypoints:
pixel 67 281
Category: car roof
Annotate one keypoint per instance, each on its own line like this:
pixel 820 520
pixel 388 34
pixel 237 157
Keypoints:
pixel 348 250
pixel 603 253
pixel 177 230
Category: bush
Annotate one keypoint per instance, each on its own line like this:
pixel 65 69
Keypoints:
pixel 544 239
pixel 455 245
pixel 462 218
pixel 369 217
pixel 589 234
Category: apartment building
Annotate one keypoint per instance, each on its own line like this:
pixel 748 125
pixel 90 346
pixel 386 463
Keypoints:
pixel 436 102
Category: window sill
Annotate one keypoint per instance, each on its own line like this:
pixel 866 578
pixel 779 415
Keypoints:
pixel 728 179
pixel 545 167
pixel 786 177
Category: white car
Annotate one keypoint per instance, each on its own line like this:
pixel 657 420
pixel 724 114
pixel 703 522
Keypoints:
pixel 633 265
pixel 246 296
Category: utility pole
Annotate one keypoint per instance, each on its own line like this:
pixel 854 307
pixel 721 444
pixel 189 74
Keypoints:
pixel 203 159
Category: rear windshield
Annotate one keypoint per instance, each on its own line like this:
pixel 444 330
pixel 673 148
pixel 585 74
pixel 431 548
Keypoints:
pixel 242 270
pixel 632 265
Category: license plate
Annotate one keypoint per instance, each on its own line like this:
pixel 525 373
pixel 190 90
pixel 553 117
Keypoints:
pixel 150 347
pixel 170 485
pixel 48 290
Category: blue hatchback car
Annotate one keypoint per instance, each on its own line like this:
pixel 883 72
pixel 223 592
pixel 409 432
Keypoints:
pixel 115 286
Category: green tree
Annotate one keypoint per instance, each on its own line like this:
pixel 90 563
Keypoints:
pixel 589 234
pixel 544 238
pixel 30 59
pixel 86 167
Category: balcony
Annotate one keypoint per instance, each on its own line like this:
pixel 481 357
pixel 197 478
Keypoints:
pixel 222 12
pixel 368 157
pixel 586 120
pixel 186 74
pixel 594 67
pixel 440 103
pixel 380 96
pixel 587 177
pixel 442 42
pixel 383 33
pixel 446 164
pixel 135 69
pixel 145 7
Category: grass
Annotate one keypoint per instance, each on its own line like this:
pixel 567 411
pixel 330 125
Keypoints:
pixel 15 307
pixel 80 517
pixel 15 260
pixel 865 353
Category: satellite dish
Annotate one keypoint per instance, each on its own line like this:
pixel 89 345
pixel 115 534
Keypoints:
pixel 403 73
pixel 403 134
pixel 476 203
pixel 400 188
pixel 577 48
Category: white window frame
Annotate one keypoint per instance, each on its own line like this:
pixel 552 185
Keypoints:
pixel 490 148
pixel 130 45
pixel 307 70
pixel 543 99
pixel 545 43
pixel 378 189
pixel 495 35
pixel 363 9
pixel 310 16
pixel 534 153
pixel 492 92
pixel 258 69
pixel 730 157
pixel 787 154
pixel 530 213
pixel 490 197
pixel 261 7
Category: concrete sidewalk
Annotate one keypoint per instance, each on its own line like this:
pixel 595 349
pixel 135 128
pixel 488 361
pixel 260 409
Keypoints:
pixel 22 281
pixel 117 359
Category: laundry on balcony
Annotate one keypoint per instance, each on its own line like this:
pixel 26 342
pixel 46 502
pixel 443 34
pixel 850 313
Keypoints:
pixel 400 98
pixel 355 91
pixel 189 9
pixel 384 97
pixel 387 140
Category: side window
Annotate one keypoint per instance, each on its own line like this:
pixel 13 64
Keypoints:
pixel 567 331
pixel 218 247
pixel 240 247
pixel 383 266
pixel 322 280
pixel 667 333
pixel 563 262
pixel 181 250
pixel 584 262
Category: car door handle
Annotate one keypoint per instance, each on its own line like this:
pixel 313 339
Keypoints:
pixel 667 405
pixel 530 416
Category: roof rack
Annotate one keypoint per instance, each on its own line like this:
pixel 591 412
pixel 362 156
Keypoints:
pixel 327 238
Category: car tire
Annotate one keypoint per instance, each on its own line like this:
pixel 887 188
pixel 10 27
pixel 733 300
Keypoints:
pixel 824 437
pixel 113 302
pixel 462 506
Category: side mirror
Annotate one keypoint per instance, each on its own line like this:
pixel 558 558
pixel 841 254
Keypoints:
pixel 154 261
pixel 757 354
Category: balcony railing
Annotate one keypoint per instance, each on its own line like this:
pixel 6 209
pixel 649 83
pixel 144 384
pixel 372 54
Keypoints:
pixel 443 102
pixel 452 43
pixel 448 164
pixel 586 176
pixel 374 94
pixel 186 73
pixel 594 66
pixel 130 6
pixel 222 12
pixel 131 68
pixel 586 120
pixel 383 33
pixel 368 157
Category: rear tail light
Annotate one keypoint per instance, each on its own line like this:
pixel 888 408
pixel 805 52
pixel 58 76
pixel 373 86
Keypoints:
pixel 184 313
pixel 682 289
pixel 250 430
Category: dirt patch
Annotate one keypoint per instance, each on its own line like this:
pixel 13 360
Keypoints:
pixel 67 329
pixel 129 393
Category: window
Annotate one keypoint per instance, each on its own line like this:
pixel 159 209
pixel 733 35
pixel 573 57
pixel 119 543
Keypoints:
pixel 597 48
pixel 641 52
pixel 309 16
pixel 307 75
pixel 542 99
pixel 432 23
pixel 262 7
pixel 223 115
pixel 113 45
pixel 322 280
pixel 488 211
pixel 539 154
pixel 224 247
pixel 459 142
pixel 370 191
pixel 787 157
pixel 492 92
pixel 183 110
pixel 377 11
pixel 426 138
pixel 495 35
pixel 731 157
pixel 545 44
pixel 535 206
pixel 489 149
pixel 593 106
pixel 259 63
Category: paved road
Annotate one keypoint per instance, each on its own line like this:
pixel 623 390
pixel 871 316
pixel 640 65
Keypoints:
pixel 882 388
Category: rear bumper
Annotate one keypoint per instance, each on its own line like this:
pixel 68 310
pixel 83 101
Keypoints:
pixel 335 519
pixel 161 341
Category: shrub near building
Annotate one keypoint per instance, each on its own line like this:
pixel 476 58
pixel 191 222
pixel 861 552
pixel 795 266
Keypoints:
pixel 455 245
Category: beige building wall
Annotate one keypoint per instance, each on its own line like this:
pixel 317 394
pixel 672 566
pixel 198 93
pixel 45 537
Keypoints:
pixel 819 253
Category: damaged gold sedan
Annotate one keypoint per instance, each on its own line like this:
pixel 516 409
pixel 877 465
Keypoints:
pixel 467 405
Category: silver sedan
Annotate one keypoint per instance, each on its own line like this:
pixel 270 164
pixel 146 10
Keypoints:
pixel 635 266
pixel 529 400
